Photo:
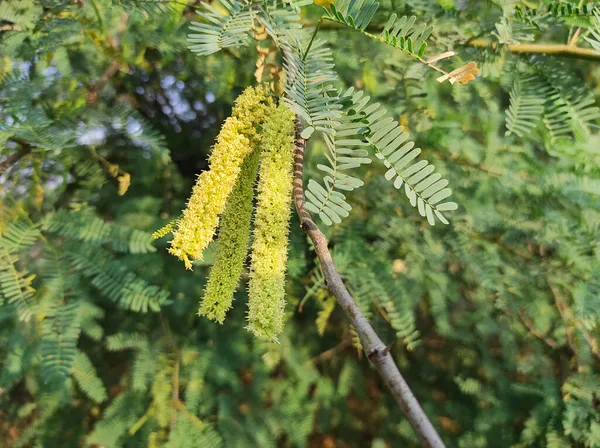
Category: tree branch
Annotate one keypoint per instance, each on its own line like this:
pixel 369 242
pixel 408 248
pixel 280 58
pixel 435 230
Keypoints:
pixel 115 65
pixel 375 349
pixel 566 314
pixel 328 354
pixel 564 50
pixel 567 51
pixel 531 327
pixel 327 25
pixel 15 157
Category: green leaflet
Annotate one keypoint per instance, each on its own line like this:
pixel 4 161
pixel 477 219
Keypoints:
pixel 15 283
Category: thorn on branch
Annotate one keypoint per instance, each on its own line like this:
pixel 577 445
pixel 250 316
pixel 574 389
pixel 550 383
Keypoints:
pixel 373 355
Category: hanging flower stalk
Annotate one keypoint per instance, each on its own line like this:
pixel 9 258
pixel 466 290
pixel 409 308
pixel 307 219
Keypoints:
pixel 196 228
pixel 232 248
pixel 266 302
pixel 257 132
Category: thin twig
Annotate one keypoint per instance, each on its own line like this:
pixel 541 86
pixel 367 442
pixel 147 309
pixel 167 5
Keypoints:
pixel 16 156
pixel 531 327
pixel 376 350
pixel 175 393
pixel 573 40
pixel 312 39
pixel 328 354
pixel 566 315
pixel 563 50
pixel 115 65
pixel 337 26
pixel 10 27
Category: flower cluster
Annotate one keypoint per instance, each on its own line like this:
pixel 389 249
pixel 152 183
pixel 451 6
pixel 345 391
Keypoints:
pixel 271 226
pixel 196 228
pixel 257 132
pixel 234 233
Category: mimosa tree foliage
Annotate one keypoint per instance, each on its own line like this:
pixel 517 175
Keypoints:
pixel 106 120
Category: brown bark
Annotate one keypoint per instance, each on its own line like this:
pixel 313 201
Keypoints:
pixel 377 352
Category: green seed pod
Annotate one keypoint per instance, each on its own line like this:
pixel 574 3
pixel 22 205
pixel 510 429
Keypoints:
pixel 266 303
pixel 200 219
pixel 234 233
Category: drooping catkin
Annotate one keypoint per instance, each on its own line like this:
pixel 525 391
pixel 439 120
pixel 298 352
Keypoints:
pixel 266 302
pixel 200 219
pixel 232 248
pixel 201 216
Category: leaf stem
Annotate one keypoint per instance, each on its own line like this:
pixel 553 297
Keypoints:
pixel 312 39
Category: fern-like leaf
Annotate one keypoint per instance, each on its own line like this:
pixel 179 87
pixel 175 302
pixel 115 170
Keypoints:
pixel 188 433
pixel 526 107
pixel 39 131
pixel 309 86
pixel 221 30
pixel 401 33
pixel 15 283
pixel 125 341
pixel 424 188
pixel 59 342
pixel 89 315
pixel 346 150
pixel 115 281
pixel 22 13
pixel 281 17
pixel 570 108
pixel 398 32
pixel 85 226
pixel 151 7
pixel 365 126
pixel 594 39
pixel 85 375
pixel 144 362
pixel 560 8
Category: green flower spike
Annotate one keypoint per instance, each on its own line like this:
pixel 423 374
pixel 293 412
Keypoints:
pixel 266 303
pixel 234 233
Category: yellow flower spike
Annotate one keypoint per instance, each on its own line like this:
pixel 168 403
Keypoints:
pixel 253 107
pixel 234 233
pixel 200 219
pixel 201 216
pixel 266 301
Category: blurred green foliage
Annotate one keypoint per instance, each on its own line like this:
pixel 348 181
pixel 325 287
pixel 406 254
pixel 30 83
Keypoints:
pixel 105 120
